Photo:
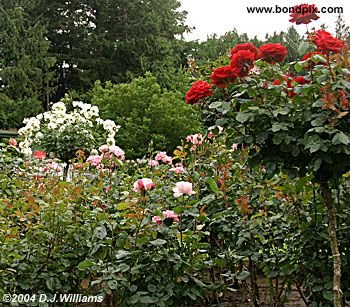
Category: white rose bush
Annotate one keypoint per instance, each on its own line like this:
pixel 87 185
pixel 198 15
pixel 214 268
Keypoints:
pixel 61 133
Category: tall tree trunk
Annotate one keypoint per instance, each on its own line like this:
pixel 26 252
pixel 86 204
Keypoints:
pixel 332 231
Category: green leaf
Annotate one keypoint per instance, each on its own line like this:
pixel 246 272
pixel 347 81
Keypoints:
pixel 315 147
pixel 134 299
pixel 298 66
pixel 328 295
pixel 317 165
pixel 242 117
pixel 148 300
pixel 278 127
pixel 122 254
pixel 213 185
pixel 345 83
pixel 215 105
pixel 100 232
pixel 151 288
pixel 341 138
pixel 243 275
pixel 158 242
pixel 319 121
pixel 122 267
pixel 303 48
pixel 318 103
pixel 300 184
pixel 199 283
pixel 50 283
pixel 85 264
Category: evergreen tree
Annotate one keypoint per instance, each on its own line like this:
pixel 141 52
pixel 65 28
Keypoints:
pixel 112 40
pixel 25 75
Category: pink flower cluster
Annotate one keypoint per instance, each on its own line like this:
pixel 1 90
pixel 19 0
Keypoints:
pixel 195 139
pixel 112 150
pixel 95 161
pixel 168 214
pixel 110 153
pixel 163 157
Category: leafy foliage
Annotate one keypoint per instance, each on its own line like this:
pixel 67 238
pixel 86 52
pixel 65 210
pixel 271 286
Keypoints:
pixel 146 114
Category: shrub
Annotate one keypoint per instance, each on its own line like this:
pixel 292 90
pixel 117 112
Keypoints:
pixel 13 112
pixel 146 114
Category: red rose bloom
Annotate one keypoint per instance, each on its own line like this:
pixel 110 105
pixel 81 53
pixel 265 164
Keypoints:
pixel 311 63
pixel 304 13
pixel 222 76
pixel 301 80
pixel 198 91
pixel 289 83
pixel 39 154
pixel 326 43
pixel 272 53
pixel 246 46
pixel 276 82
pixel 242 62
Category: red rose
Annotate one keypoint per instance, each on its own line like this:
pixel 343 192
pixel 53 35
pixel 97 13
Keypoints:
pixel 304 13
pixel 242 62
pixel 312 63
pixel 222 76
pixel 246 46
pixel 326 43
pixel 301 80
pixel 39 154
pixel 288 80
pixel 199 90
pixel 272 53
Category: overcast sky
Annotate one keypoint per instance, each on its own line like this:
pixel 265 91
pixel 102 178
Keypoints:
pixel 220 16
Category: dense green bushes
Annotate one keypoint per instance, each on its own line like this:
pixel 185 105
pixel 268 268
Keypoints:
pixel 146 114
pixel 97 234
pixel 13 112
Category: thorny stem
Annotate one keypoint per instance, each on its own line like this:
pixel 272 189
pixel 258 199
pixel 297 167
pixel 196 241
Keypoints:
pixel 332 230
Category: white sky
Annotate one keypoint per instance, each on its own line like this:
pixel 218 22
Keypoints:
pixel 220 16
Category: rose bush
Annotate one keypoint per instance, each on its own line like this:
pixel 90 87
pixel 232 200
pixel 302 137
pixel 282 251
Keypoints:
pixel 62 134
pixel 143 234
pixel 294 118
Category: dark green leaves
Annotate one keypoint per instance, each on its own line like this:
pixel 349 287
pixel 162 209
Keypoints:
pixel 340 138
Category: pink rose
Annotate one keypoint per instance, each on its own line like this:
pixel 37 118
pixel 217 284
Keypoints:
pixel 117 151
pixel 182 188
pixel 157 220
pixel 95 161
pixel 162 156
pixel 177 170
pixel 170 214
pixel 153 163
pixel 195 139
pixel 143 184
pixel 104 148
pixel 234 146
pixel 12 142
